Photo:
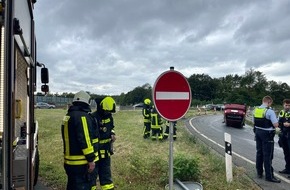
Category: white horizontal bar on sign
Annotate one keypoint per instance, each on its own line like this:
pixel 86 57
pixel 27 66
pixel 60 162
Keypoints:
pixel 172 95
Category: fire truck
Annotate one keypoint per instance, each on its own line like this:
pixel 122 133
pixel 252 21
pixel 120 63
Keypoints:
pixel 19 156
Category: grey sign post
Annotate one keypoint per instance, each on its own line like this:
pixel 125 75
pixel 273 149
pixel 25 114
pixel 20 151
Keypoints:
pixel 171 155
pixel 172 99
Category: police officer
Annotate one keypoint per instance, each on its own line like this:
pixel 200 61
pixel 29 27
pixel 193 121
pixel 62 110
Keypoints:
pixel 80 139
pixel 284 136
pixel 166 133
pixel 156 125
pixel 105 108
pixel 265 122
pixel 146 112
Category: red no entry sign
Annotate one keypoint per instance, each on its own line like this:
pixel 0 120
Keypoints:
pixel 171 95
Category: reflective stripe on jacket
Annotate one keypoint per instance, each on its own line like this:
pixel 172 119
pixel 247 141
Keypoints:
pixel 156 121
pixel 79 137
pixel 284 116
pixel 146 112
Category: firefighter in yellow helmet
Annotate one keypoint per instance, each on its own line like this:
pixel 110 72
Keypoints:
pixel 80 140
pixel 146 112
pixel 105 108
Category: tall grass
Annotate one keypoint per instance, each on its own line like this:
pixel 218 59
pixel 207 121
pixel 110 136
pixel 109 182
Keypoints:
pixel 137 163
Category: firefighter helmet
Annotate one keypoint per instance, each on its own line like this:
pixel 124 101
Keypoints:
pixel 108 104
pixel 147 101
pixel 82 96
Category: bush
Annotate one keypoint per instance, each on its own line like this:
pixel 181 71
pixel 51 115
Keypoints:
pixel 186 168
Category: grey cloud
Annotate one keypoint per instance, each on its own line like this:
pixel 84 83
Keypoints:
pixel 118 45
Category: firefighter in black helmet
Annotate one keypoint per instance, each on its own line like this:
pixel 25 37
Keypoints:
pixel 146 112
pixel 80 143
pixel 105 108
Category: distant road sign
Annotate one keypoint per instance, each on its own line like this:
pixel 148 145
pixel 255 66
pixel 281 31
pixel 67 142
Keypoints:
pixel 171 95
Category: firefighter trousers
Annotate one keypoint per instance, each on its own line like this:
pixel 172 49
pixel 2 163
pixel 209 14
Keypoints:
pixel 105 175
pixel 146 130
pixel 78 178
pixel 265 150
pixel 157 133
pixel 166 133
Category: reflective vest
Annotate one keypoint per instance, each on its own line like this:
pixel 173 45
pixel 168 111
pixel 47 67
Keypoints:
pixel 260 118
pixel 284 117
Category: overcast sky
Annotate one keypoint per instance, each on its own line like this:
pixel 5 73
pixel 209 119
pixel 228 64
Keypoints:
pixel 113 46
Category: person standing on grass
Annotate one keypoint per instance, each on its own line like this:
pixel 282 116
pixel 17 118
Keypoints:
pixel 156 125
pixel 265 122
pixel 80 145
pixel 284 136
pixel 166 133
pixel 146 112
pixel 103 115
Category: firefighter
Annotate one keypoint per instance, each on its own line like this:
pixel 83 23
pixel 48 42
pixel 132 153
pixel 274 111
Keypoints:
pixel 146 111
pixel 166 133
pixel 284 136
pixel 105 108
pixel 156 125
pixel 265 122
pixel 80 143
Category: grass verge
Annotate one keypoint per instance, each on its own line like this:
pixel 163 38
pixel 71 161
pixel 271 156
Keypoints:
pixel 137 163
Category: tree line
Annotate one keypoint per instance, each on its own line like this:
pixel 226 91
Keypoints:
pixel 248 88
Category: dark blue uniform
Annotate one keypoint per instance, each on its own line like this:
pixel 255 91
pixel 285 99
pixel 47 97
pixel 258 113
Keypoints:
pixel 264 118
pixel 80 143
pixel 284 138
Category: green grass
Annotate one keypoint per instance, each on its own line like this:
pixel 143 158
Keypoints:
pixel 137 163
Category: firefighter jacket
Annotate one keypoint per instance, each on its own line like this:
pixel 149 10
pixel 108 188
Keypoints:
pixel 80 137
pixel 260 119
pixel 106 130
pixel 284 116
pixel 156 120
pixel 146 112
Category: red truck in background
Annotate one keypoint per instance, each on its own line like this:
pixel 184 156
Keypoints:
pixel 234 115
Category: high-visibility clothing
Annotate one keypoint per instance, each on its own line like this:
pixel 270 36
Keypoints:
pixel 284 137
pixel 106 130
pixel 79 137
pixel 260 119
pixel 146 112
pixel 284 116
pixel 156 126
pixel 156 121
pixel 80 145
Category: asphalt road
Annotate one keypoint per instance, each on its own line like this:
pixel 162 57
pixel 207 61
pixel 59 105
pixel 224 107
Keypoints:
pixel 211 129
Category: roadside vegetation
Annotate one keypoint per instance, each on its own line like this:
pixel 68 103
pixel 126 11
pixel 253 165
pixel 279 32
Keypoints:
pixel 140 163
pixel 248 88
